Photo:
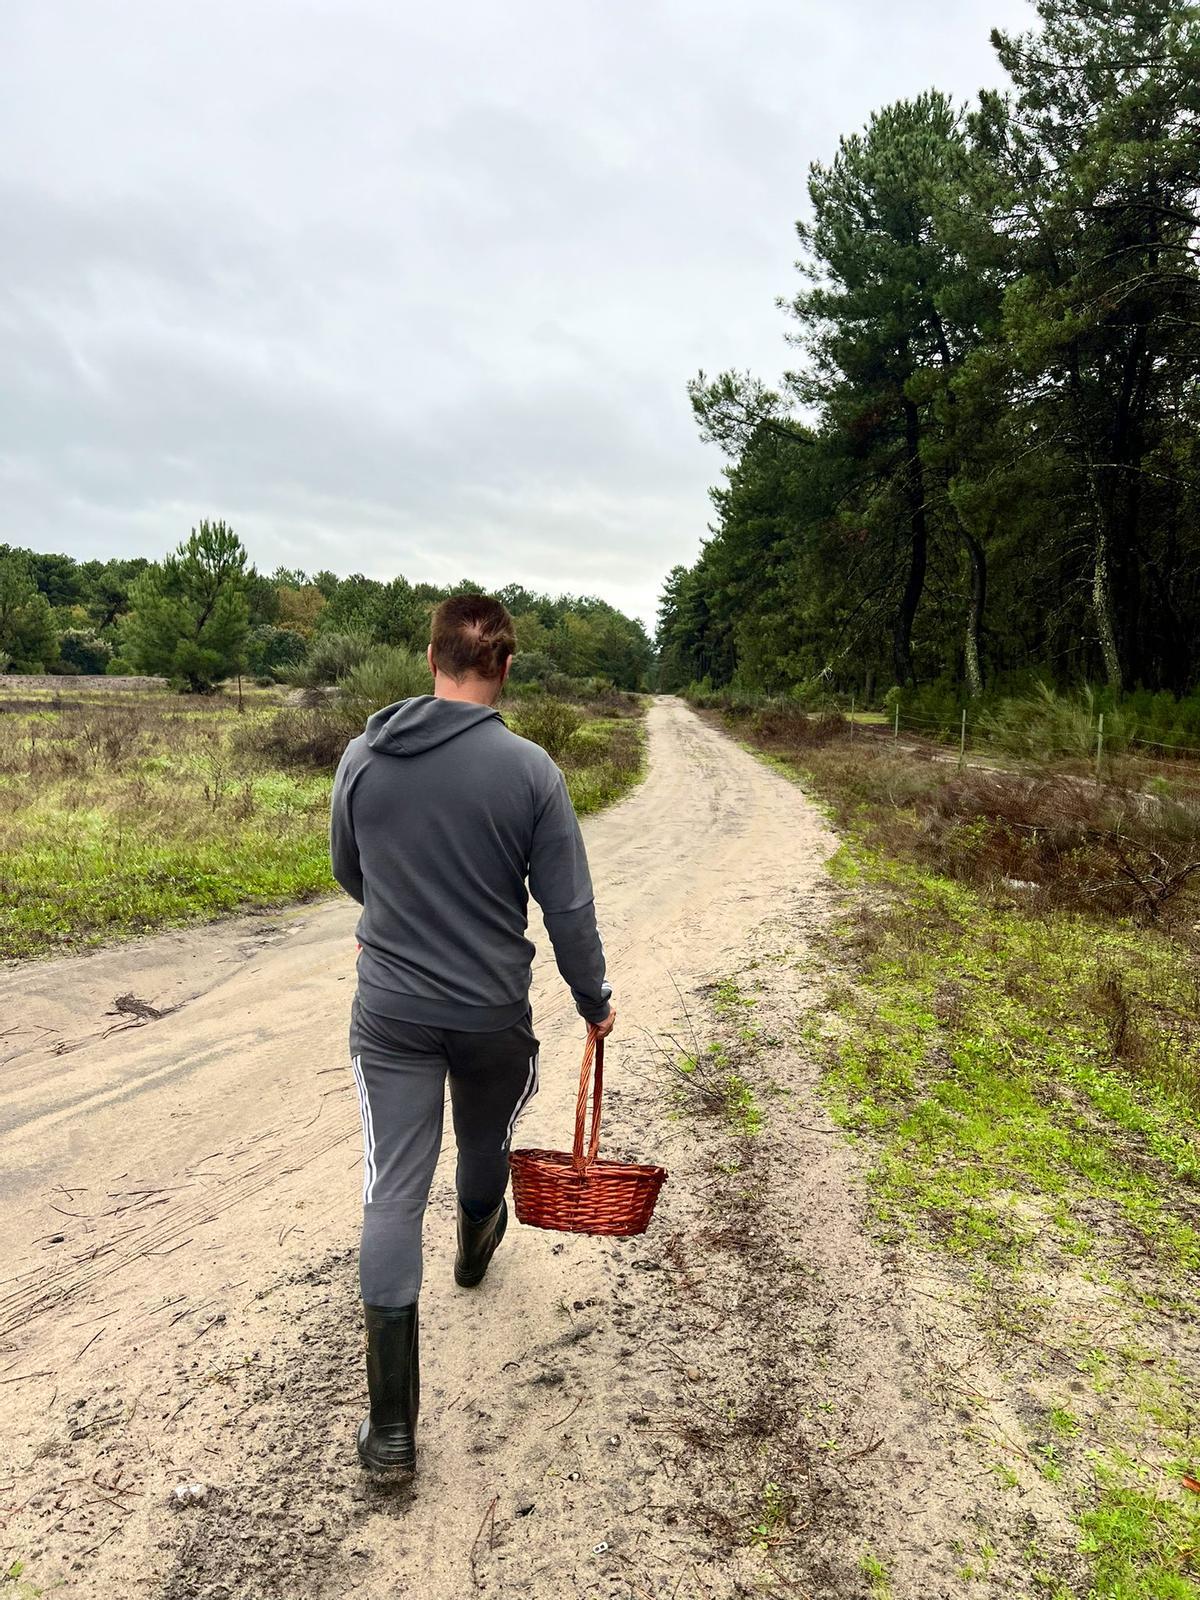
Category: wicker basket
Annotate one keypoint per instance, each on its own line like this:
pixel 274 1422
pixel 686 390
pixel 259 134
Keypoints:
pixel 576 1193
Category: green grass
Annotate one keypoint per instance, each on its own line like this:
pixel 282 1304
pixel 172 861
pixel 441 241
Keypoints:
pixel 774 1517
pixel 1143 1546
pixel 605 760
pixel 977 1053
pixel 135 811
pixel 123 812
pixel 742 1109
pixel 715 1079
pixel 874 1571
pixel 972 1055
pixel 1026 1086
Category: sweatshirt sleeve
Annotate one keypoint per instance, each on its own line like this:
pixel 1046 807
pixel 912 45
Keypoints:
pixel 561 884
pixel 343 846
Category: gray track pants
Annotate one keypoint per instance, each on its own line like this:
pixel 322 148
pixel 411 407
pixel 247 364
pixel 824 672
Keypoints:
pixel 400 1069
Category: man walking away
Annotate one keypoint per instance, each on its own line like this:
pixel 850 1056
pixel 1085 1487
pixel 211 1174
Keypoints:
pixel 440 816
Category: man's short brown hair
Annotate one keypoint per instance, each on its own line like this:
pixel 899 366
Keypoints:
pixel 472 634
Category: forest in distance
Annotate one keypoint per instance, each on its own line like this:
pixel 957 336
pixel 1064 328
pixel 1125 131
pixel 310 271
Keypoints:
pixel 985 465
pixel 205 614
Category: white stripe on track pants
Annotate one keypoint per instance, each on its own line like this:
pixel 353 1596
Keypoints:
pixel 400 1071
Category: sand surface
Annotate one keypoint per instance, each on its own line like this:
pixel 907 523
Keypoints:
pixel 180 1192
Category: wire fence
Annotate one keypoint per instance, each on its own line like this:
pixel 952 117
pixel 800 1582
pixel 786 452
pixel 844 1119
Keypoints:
pixel 975 733
pixel 965 731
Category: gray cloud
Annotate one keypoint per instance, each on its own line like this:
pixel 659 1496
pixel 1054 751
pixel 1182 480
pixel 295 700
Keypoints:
pixel 412 289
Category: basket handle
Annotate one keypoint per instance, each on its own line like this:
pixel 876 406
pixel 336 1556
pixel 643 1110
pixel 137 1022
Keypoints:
pixel 593 1054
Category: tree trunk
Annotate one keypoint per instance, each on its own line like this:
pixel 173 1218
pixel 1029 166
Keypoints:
pixel 974 672
pixel 1102 606
pixel 1102 597
pixel 918 549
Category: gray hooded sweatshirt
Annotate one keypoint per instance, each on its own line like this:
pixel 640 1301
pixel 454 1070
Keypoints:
pixel 440 814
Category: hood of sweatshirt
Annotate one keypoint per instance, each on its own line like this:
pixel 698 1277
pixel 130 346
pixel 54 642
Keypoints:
pixel 412 726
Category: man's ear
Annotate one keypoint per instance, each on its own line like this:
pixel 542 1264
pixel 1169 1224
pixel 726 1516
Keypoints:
pixel 505 670
pixel 429 658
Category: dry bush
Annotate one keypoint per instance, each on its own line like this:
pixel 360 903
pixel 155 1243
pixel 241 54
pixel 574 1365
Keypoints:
pixel 861 772
pixel 1067 842
pixel 618 749
pixel 112 736
pixel 788 726
pixel 304 736
pixel 610 701
pixel 84 738
pixel 1114 1003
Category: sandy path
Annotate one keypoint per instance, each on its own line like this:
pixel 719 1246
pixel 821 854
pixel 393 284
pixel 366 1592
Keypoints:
pixel 753 1399
pixel 180 1206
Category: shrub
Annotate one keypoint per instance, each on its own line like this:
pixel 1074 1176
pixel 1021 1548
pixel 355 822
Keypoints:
pixel 549 722
pixel 118 667
pixel 789 725
pixel 589 745
pixel 273 653
pixel 1164 720
pixel 307 736
pixel 387 674
pixel 331 657
pixel 531 666
pixel 1047 726
pixel 84 651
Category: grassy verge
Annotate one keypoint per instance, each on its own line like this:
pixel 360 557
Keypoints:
pixel 124 812
pixel 1014 1035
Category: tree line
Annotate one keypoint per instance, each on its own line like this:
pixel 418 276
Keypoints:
pixel 986 463
pixel 205 614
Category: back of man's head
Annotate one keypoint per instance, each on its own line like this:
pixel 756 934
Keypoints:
pixel 472 635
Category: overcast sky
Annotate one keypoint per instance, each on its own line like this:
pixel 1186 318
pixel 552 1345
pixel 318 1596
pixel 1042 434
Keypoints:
pixel 413 288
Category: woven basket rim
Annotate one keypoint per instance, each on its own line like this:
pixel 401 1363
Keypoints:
pixel 562 1161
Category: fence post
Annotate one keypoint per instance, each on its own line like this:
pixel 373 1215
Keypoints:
pixel 1099 743
pixel 962 740
pixel 896 727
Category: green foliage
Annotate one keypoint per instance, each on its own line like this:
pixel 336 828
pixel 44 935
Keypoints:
pixel 998 468
pixel 82 650
pixel 105 589
pixel 190 615
pixel 385 675
pixel 274 652
pixel 1142 1545
pixel 331 657
pixel 1045 725
pixel 27 636
pixel 603 762
pixel 288 626
pixel 874 1571
pixel 741 1107
pixel 551 723
pixel 775 1512
pixel 531 666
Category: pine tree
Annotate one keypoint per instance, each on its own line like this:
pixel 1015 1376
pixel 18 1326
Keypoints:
pixel 1098 148
pixel 190 616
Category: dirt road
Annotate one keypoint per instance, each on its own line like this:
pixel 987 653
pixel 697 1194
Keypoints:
pixel 180 1204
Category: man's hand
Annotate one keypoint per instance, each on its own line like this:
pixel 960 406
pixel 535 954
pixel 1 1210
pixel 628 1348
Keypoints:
pixel 603 1029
